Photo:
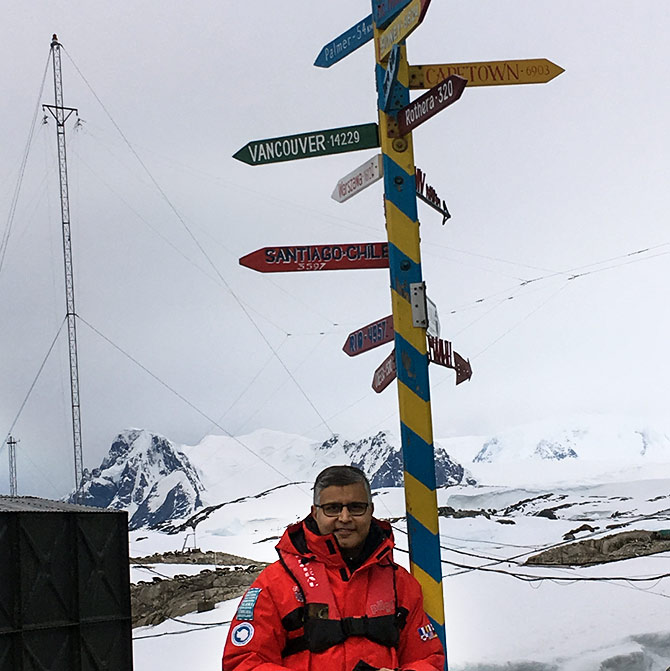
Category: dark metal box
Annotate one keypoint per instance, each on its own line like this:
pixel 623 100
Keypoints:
pixel 64 587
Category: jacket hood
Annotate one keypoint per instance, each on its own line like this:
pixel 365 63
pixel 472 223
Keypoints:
pixel 303 539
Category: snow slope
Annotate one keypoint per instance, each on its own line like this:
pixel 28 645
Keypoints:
pixel 585 449
pixel 501 615
pixel 544 619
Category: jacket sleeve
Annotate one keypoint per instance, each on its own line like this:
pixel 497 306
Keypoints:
pixel 256 637
pixel 420 648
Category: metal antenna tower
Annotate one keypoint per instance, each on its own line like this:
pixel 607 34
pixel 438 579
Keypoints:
pixel 61 114
pixel 13 489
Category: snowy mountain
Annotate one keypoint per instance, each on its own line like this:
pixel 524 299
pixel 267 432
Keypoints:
pixel 146 475
pixel 380 457
pixel 494 449
pixel 158 482
pixel 590 437
pixel 587 449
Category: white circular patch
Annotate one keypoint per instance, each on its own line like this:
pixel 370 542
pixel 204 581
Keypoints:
pixel 242 634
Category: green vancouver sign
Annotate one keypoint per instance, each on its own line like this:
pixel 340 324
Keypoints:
pixel 306 145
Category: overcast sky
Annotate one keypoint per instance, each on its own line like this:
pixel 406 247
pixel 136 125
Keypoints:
pixel 546 182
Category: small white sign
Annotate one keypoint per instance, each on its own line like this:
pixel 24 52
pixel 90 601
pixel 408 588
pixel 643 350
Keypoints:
pixel 366 174
pixel 433 319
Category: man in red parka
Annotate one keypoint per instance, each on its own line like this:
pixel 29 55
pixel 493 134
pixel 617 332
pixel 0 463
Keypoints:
pixel 335 600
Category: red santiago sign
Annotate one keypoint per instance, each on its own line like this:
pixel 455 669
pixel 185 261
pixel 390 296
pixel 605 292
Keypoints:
pixel 430 103
pixel 318 257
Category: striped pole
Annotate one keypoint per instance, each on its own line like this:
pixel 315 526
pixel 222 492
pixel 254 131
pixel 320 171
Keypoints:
pixel 410 348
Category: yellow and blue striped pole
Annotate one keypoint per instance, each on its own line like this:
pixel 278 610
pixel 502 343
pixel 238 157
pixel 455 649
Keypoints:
pixel 410 346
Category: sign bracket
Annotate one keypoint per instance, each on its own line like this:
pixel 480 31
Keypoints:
pixel 417 292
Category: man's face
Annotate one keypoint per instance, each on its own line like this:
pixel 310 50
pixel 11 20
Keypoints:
pixel 350 531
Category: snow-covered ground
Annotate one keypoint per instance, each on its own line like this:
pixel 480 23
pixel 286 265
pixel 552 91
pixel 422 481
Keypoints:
pixel 499 614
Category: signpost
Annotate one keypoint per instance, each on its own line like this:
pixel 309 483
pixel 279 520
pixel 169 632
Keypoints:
pixel 294 258
pixel 346 43
pixel 370 336
pixel 384 10
pixel 430 103
pixel 385 374
pixel 307 145
pixel 440 352
pixel 411 361
pixel 359 179
pixel 410 327
pixel 409 19
pixel 491 73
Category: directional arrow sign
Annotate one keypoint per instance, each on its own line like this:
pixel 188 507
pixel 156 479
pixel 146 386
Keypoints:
pixel 430 103
pixel 347 42
pixel 359 179
pixel 390 78
pixel 440 352
pixel 385 374
pixel 428 195
pixel 442 209
pixel 318 257
pixel 306 145
pixel 384 10
pixel 491 73
pixel 462 367
pixel 401 26
pixel 370 336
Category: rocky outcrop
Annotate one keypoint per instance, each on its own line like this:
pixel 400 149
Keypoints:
pixel 554 450
pixel 448 511
pixel 162 599
pixel 490 450
pixel 624 545
pixel 549 449
pixel 192 557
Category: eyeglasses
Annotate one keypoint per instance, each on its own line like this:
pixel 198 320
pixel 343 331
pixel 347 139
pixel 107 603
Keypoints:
pixel 355 508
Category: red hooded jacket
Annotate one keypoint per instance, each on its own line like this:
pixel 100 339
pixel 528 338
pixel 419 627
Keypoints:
pixel 313 611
